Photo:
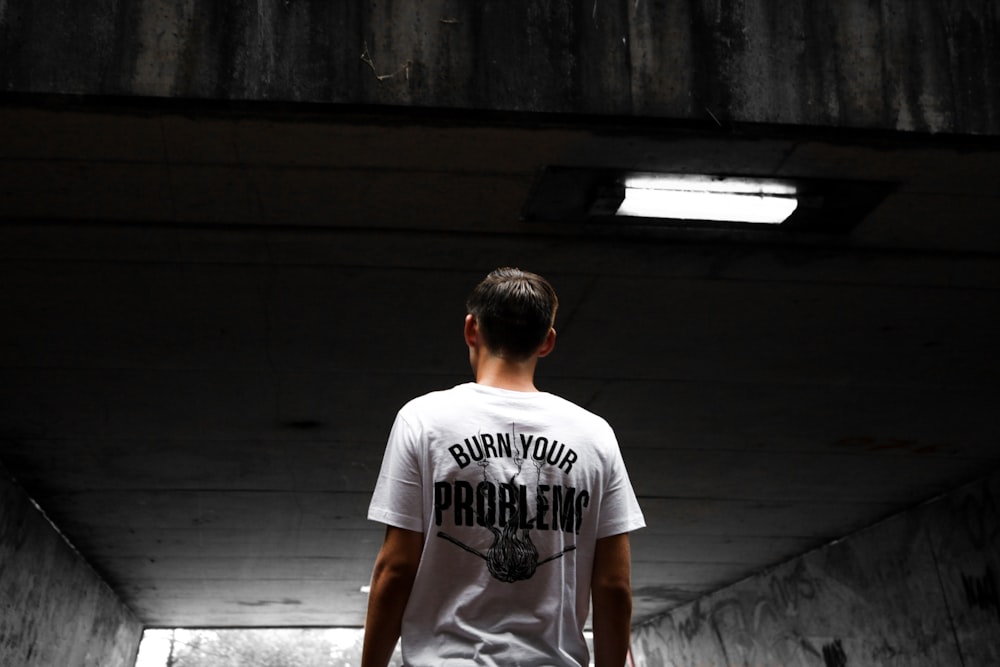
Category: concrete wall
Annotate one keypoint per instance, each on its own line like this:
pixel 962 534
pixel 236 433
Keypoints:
pixel 54 610
pixel 886 64
pixel 921 589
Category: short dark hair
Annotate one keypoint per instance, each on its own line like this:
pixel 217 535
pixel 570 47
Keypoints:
pixel 514 310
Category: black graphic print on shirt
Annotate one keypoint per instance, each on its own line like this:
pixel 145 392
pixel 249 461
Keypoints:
pixel 504 507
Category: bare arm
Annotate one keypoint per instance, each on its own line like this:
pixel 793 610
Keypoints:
pixel 611 590
pixel 392 580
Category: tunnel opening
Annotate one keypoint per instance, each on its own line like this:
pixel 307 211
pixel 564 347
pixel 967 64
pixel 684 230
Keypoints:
pixel 260 647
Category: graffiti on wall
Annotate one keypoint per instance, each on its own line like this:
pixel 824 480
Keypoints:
pixel 834 655
pixel 981 592
pixel 742 629
pixel 760 629
pixel 890 596
pixel 980 519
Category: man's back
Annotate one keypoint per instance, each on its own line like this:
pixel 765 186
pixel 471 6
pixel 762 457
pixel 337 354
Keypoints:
pixel 511 491
pixel 507 509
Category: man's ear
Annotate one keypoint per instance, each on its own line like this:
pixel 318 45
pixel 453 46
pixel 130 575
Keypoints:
pixel 471 331
pixel 550 342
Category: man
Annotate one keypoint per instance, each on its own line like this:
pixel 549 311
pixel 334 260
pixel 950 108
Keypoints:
pixel 506 508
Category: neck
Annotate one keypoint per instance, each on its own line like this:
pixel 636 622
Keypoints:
pixel 504 374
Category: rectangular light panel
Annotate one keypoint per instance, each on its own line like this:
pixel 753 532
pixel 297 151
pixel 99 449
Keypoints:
pixel 695 197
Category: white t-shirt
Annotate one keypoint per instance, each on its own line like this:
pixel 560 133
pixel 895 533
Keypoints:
pixel 511 490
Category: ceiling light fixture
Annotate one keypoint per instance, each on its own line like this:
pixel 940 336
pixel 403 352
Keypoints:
pixel 710 198
pixel 702 206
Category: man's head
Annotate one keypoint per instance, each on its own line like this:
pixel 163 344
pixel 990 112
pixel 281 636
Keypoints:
pixel 514 311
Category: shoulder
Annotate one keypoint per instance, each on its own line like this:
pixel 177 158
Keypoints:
pixel 433 401
pixel 439 396
pixel 575 411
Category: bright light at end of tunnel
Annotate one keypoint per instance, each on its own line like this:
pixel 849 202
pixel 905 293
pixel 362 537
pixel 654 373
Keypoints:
pixel 684 197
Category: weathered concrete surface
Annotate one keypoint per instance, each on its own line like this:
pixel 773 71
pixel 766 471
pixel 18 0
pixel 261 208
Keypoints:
pixel 919 589
pixel 889 64
pixel 54 609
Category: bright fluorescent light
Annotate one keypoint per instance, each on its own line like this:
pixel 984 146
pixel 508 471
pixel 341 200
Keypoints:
pixel 707 198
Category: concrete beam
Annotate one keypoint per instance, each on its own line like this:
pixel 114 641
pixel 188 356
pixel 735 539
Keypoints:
pixel 889 64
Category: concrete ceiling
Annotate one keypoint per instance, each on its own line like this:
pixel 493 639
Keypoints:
pixel 211 316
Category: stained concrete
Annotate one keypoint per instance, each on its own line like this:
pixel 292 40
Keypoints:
pixel 890 64
pixel 54 609
pixel 918 589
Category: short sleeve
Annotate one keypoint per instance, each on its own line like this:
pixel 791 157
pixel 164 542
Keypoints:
pixel 620 511
pixel 398 497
